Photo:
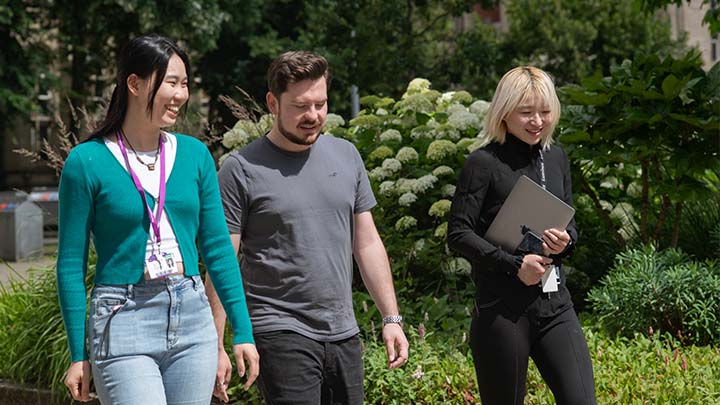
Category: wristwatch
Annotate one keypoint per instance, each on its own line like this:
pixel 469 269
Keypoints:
pixel 393 319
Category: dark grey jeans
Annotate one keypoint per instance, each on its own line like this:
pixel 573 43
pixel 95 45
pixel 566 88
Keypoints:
pixel 295 369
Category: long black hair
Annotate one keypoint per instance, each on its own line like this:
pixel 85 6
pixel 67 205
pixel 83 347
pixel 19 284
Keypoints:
pixel 143 56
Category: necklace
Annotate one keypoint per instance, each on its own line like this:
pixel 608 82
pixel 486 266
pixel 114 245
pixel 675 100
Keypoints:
pixel 150 166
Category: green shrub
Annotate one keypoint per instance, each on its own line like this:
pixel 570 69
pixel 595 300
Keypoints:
pixel 700 228
pixel 642 369
pixel 33 346
pixel 662 290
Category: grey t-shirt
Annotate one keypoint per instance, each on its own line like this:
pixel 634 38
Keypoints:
pixel 295 214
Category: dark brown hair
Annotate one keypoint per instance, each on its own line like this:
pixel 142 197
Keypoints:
pixel 293 67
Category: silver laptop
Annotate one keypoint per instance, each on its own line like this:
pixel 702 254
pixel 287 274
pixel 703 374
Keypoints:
pixel 530 205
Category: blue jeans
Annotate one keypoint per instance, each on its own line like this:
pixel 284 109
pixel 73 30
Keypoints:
pixel 298 370
pixel 152 342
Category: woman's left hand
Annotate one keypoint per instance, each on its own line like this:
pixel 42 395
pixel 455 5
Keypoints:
pixel 555 241
pixel 246 352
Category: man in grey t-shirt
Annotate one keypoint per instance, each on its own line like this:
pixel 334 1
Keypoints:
pixel 300 204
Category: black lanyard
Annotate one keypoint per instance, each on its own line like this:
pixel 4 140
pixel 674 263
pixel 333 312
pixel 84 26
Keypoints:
pixel 542 170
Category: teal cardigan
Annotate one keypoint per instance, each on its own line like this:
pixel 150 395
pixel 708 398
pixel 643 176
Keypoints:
pixel 97 196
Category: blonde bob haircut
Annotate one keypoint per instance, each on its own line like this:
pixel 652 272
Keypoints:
pixel 519 85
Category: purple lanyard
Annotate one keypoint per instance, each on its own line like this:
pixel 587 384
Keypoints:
pixel 154 221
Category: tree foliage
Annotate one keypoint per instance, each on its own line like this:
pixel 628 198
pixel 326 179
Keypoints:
pixel 646 138
pixel 712 16
pixel 573 39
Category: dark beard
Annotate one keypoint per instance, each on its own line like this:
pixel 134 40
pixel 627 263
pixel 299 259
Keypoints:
pixel 293 137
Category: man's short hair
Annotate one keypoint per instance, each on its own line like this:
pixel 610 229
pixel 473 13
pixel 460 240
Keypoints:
pixel 293 67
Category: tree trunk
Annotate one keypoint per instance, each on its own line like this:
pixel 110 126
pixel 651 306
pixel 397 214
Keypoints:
pixel 676 225
pixel 665 203
pixel 645 200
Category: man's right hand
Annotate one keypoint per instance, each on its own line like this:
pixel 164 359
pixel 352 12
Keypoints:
pixel 77 379
pixel 222 378
pixel 532 269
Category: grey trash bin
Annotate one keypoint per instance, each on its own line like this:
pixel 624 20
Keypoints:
pixel 21 227
pixel 47 199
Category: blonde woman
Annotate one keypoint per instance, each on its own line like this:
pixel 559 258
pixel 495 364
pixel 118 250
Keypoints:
pixel 514 320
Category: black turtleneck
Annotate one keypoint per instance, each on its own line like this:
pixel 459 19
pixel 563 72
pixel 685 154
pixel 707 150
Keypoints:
pixel 485 182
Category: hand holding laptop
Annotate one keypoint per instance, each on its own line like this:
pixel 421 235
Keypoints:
pixel 555 241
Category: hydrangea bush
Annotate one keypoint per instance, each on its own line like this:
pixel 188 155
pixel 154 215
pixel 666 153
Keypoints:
pixel 413 150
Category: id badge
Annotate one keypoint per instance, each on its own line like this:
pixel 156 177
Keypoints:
pixel 159 266
pixel 550 279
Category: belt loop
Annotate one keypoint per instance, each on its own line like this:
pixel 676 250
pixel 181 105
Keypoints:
pixel 195 280
pixel 130 291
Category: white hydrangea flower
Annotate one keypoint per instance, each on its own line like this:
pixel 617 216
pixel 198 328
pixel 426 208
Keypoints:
pixel 380 153
pixel 480 107
pixel 440 149
pixel 446 131
pixel 391 165
pixel 333 121
pixel 416 86
pixel 381 112
pixel 366 121
pixel 407 199
pixel 407 154
pixel 462 97
pixel 432 123
pixel 236 138
pixel 422 132
pixel 378 174
pixel 464 120
pixel 456 108
pixel 406 121
pixel 424 183
pixel 404 185
pixel 391 135
pixel 405 223
pixel 441 231
pixel 415 103
pixel 443 170
pixel 266 123
pixel 448 190
pixel 444 101
pixel 440 208
pixel 387 188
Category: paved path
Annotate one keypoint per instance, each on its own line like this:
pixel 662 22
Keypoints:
pixel 19 270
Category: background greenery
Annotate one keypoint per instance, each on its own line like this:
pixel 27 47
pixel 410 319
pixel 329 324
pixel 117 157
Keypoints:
pixel 641 124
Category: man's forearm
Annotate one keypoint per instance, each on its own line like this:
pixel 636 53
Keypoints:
pixel 375 271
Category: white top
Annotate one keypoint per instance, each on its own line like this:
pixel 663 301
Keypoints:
pixel 150 180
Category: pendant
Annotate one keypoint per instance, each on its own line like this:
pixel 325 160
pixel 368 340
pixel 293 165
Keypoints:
pixel 151 166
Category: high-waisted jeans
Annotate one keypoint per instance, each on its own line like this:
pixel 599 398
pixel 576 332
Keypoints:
pixel 153 342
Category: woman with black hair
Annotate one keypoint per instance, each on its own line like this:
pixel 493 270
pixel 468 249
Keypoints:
pixel 149 198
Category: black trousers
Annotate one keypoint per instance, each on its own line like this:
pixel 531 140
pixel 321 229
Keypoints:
pixel 295 369
pixel 502 343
